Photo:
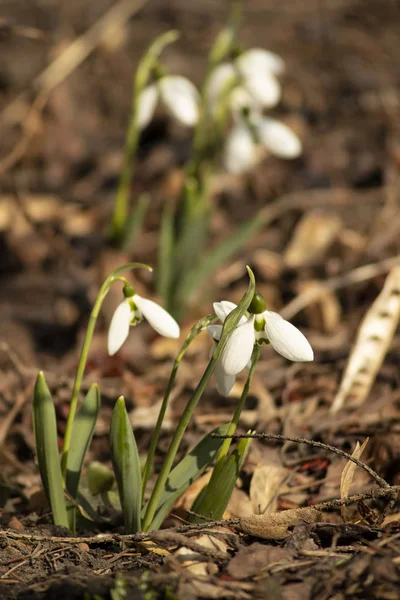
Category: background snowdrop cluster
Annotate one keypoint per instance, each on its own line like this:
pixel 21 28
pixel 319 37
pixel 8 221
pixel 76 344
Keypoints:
pixel 249 85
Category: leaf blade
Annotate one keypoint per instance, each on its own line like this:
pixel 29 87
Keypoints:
pixel 126 463
pixel 45 431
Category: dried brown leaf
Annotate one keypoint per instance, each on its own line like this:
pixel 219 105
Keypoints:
pixel 277 526
pixel 374 337
pixel 312 237
pixel 348 476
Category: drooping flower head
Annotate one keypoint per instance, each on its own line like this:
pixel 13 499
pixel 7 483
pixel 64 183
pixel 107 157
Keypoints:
pixel 260 326
pixel 131 311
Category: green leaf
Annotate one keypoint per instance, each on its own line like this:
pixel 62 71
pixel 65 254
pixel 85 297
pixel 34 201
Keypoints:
pixel 126 463
pixel 209 263
pixel 188 470
pixel 82 433
pixel 212 503
pixel 45 430
pixel 164 270
pixel 135 221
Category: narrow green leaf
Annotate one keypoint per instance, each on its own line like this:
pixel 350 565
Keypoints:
pixel 135 221
pixel 126 462
pixel 212 503
pixel 164 270
pixel 45 429
pixel 209 263
pixel 82 433
pixel 188 470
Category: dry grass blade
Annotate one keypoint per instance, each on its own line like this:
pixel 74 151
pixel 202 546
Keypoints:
pixel 348 476
pixel 373 341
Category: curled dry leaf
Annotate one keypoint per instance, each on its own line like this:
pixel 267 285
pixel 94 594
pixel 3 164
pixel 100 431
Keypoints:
pixel 348 476
pixel 313 236
pixel 373 341
pixel 277 526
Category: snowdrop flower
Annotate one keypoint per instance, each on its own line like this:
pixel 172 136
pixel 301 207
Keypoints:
pixel 260 327
pixel 240 149
pixel 131 311
pixel 278 138
pixel 179 96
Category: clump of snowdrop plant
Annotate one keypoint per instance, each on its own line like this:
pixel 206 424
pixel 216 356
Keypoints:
pixel 245 327
pixel 228 119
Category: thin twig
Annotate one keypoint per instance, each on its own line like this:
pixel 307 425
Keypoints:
pixel 166 533
pixel 297 440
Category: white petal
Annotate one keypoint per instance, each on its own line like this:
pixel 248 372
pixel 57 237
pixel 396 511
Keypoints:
pixel 224 308
pixel 258 60
pixel 239 150
pixel 181 98
pixel 224 381
pixel 146 106
pixel 219 82
pixel 279 139
pixel 214 331
pixel 286 339
pixel 119 327
pixel 159 319
pixel 239 348
pixel 264 88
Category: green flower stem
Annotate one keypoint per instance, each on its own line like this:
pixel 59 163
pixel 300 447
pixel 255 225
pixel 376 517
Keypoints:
pixel 196 329
pixel 223 451
pixel 121 206
pixel 114 276
pixel 176 440
pixel 230 324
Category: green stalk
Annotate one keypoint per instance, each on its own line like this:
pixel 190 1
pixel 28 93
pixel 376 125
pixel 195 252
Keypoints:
pixel 230 323
pixel 223 451
pixel 176 440
pixel 83 358
pixel 121 206
pixel 196 329
pixel 143 73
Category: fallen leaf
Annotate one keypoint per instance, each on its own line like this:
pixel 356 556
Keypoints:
pixel 374 337
pixel 277 526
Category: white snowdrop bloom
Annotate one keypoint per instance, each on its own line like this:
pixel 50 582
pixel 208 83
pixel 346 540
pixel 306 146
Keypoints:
pixel 224 381
pixel 278 138
pixel 286 339
pixel 181 98
pixel 219 82
pixel 264 88
pixel 146 105
pixel 131 311
pixel 258 61
pixel 238 152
